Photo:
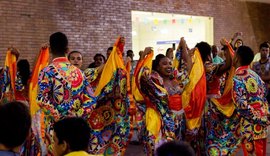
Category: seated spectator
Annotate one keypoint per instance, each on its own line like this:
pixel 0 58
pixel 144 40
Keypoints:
pixel 174 148
pixel 99 59
pixel 15 121
pixel 71 137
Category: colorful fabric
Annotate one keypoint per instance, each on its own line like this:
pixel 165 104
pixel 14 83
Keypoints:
pixel 42 62
pixel 256 147
pixel 79 153
pixel 63 91
pixel 249 94
pixel 194 95
pixel 11 63
pixel 92 77
pixel 222 132
pixel 225 103
pixel 221 121
pixel 21 90
pixel 132 106
pixel 109 121
pixel 162 123
pixel 116 62
pixel 212 80
pixel 32 146
pixel 6 92
pixel 7 78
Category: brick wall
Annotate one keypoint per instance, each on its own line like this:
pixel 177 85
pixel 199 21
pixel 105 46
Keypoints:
pixel 92 26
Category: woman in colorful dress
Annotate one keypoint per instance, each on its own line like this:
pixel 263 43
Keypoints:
pixel 8 76
pixel 162 88
pixel 109 121
pixel 218 133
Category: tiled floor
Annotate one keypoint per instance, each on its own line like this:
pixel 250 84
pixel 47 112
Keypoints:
pixel 137 150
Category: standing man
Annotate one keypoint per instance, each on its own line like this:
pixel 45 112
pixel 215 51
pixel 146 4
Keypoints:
pixel 216 58
pixel 249 93
pixel 262 67
pixel 63 90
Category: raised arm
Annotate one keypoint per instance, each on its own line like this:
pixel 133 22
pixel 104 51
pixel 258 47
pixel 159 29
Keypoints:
pixel 228 63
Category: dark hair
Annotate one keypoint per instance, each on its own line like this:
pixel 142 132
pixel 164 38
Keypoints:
pixel 264 45
pixel 24 70
pixel 237 41
pixel 129 51
pixel 15 121
pixel 99 55
pixel 157 60
pixel 110 49
pixel 58 43
pixel 74 51
pixel 73 130
pixel 246 55
pixel 92 65
pixel 167 51
pixel 174 148
pixel 205 50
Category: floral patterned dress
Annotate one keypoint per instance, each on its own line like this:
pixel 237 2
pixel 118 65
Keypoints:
pixel 218 130
pixel 157 97
pixel 109 121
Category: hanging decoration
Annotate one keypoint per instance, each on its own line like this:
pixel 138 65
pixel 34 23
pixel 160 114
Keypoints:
pixel 182 20
pixel 156 21
pixel 190 20
pixel 165 21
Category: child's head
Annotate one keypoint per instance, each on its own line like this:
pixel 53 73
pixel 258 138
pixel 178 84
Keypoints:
pixel 174 148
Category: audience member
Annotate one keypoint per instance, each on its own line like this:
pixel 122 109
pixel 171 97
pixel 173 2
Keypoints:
pixel 71 137
pixel 216 58
pixel 15 121
pixel 174 148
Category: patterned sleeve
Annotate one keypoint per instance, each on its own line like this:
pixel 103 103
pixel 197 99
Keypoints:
pixel 241 102
pixel 5 81
pixel 89 102
pixel 158 96
pixel 182 76
pixel 45 93
pixel 1 82
pixel 91 74
pixel 18 82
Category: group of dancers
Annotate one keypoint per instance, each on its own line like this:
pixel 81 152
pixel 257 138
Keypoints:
pixel 218 108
